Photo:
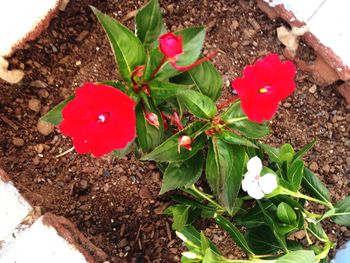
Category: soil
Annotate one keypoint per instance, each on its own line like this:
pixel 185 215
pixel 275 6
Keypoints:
pixel 115 202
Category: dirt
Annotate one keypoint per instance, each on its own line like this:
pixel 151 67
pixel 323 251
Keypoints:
pixel 115 202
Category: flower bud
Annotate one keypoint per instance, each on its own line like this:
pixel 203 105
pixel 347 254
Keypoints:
pixel 185 142
pixel 138 71
pixel 152 119
pixel 170 45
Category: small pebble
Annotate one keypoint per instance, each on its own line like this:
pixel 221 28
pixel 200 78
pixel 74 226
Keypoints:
pixel 314 166
pixel 34 105
pixel 313 89
pixel 18 142
pixel 45 128
pixel 38 84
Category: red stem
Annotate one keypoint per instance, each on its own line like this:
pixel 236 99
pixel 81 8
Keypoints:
pixel 227 102
pixel 158 68
pixel 178 67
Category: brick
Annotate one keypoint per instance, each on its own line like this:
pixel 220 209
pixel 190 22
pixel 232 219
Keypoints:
pixel 51 239
pixel 14 208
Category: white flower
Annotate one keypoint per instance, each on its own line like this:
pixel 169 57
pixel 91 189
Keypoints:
pixel 257 186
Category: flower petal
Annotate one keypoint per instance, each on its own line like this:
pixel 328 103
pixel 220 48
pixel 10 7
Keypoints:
pixel 255 191
pixel 248 179
pixel 268 183
pixel 254 166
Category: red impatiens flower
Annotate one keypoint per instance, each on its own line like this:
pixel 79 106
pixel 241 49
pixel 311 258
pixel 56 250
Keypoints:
pixel 263 86
pixel 99 119
pixel 171 47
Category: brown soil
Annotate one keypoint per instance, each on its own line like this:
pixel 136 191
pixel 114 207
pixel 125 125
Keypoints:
pixel 115 202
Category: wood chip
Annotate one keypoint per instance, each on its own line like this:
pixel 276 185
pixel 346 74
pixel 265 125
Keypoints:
pixel 129 15
pixel 9 122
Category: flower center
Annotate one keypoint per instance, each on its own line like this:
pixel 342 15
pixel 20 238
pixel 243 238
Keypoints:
pixel 102 118
pixel 264 89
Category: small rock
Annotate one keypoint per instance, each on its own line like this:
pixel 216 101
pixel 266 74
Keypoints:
pixel 43 93
pixel 83 185
pixel 145 193
pixel 313 166
pixel 34 105
pixel 348 160
pixel 326 168
pixel 39 148
pixel 299 234
pixel 122 243
pixel 170 8
pixel 38 84
pixel 287 105
pixel 82 36
pixel 18 142
pixel 313 89
pixel 45 128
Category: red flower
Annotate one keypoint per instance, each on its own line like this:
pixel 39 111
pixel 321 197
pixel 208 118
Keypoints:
pixel 99 119
pixel 171 45
pixel 263 86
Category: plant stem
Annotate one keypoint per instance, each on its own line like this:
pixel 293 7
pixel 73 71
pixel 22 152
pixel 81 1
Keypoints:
pixel 230 121
pixel 227 102
pixel 205 196
pixel 185 68
pixel 306 197
pixel 158 68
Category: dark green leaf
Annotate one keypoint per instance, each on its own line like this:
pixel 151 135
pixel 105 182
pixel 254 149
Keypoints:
pixel 246 127
pixel 342 212
pixel 192 39
pixel 127 48
pixel 253 217
pixel 272 152
pixel 304 256
pixel 304 150
pixel 188 201
pixel 54 116
pixel 274 227
pixel 164 90
pixel 234 233
pixel 286 214
pixel 205 78
pixel 224 171
pixel 148 136
pixel 295 174
pixel 179 214
pixel 168 150
pixel 233 138
pixel 262 241
pixel 182 174
pixel 317 231
pixel 149 23
pixel 314 186
pixel 198 104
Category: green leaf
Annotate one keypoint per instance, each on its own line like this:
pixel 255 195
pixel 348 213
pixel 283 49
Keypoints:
pixel 317 231
pixel 148 136
pixel 198 104
pixel 295 174
pixel 286 153
pixel 168 150
pixel 246 127
pixel 127 48
pixel 164 90
pixel 272 152
pixel 149 23
pixel 234 233
pixel 304 150
pixel 179 214
pixel 224 171
pixel 254 217
pixel 182 174
pixel 274 227
pixel 54 116
pixel 205 77
pixel 341 215
pixel 191 237
pixel 304 256
pixel 125 151
pixel 233 138
pixel 286 214
pixel 205 244
pixel 192 40
pixel 314 186
pixel 262 241
pixel 211 256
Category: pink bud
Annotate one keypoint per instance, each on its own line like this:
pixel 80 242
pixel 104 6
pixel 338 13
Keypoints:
pixel 152 119
pixel 170 45
pixel 185 142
